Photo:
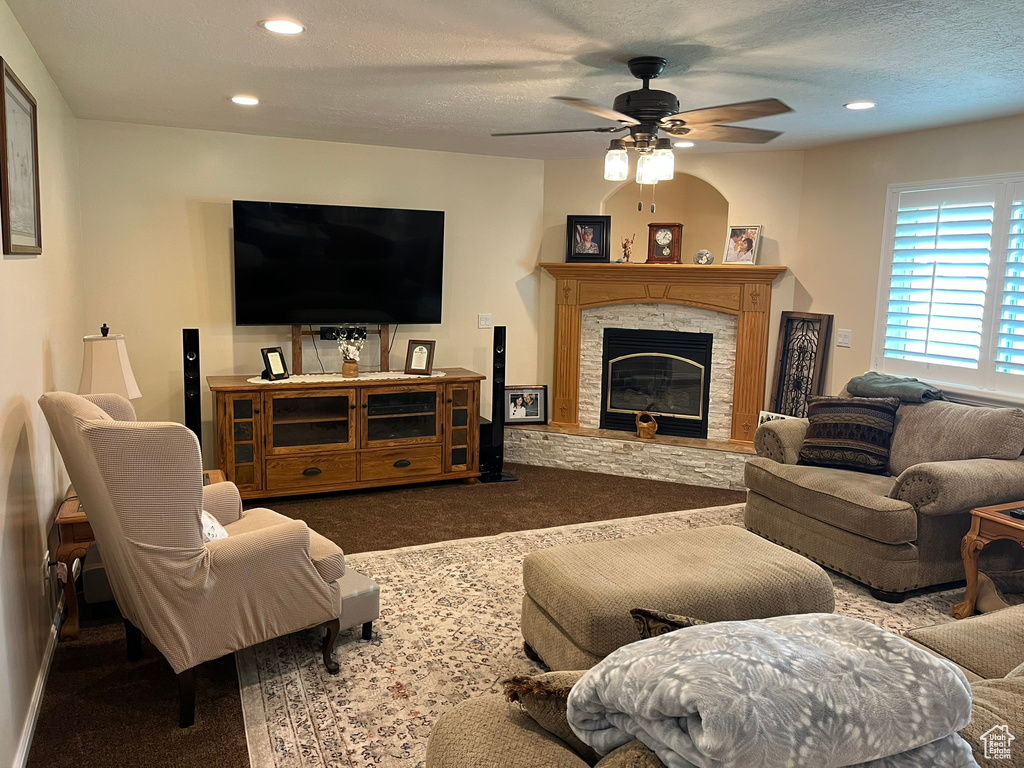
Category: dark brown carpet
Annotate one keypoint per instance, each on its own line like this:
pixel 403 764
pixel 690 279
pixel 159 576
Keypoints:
pixel 100 711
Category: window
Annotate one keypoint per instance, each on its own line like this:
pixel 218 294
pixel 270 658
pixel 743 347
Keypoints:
pixel 951 297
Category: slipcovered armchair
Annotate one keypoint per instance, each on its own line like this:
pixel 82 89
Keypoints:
pixel 900 531
pixel 141 485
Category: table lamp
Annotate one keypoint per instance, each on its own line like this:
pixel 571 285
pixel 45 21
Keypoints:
pixel 106 368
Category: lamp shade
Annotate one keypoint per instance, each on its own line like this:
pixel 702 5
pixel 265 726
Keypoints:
pixel 616 165
pixel 105 368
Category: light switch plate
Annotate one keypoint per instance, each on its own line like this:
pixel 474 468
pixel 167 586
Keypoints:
pixel 844 337
pixel 483 321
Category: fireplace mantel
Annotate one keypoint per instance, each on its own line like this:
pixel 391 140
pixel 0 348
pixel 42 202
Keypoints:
pixel 738 289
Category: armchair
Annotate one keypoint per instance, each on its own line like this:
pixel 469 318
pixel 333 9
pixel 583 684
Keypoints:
pixel 142 487
pixel 897 532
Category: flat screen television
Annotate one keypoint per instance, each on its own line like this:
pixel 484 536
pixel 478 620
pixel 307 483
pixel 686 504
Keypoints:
pixel 298 264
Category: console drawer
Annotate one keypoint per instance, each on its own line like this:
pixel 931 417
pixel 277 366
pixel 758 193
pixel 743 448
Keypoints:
pixel 301 471
pixel 400 462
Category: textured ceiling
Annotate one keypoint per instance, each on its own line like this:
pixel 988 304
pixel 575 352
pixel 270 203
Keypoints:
pixel 444 74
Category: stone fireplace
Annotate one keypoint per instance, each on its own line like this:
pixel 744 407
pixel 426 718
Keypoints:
pixel 736 297
pixel 729 303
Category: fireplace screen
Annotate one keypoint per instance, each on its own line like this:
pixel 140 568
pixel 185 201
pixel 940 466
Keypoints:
pixel 666 373
pixel 665 385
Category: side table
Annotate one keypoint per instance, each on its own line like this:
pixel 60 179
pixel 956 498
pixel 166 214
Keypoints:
pixel 988 524
pixel 75 539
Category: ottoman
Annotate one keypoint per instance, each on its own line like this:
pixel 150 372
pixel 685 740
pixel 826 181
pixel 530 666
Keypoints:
pixel 360 602
pixel 578 597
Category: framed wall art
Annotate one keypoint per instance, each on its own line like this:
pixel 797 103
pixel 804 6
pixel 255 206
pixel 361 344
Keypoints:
pixel 586 238
pixel 741 246
pixel 526 404
pixel 19 168
pixel 800 362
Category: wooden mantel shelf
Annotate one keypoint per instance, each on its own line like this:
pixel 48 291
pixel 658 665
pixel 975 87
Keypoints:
pixel 743 290
pixel 673 273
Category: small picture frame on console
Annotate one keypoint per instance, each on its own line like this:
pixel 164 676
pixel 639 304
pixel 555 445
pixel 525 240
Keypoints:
pixel 419 358
pixel 274 367
pixel 586 238
pixel 526 404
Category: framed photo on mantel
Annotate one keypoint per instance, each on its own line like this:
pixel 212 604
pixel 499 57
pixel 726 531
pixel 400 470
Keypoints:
pixel 586 238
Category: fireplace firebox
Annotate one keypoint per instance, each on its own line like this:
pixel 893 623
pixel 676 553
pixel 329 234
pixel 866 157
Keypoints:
pixel 666 373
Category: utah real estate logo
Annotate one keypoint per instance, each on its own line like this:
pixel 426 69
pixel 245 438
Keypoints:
pixel 997 742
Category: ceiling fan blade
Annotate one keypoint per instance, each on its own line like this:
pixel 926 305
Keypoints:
pixel 608 129
pixel 730 113
pixel 597 109
pixel 725 133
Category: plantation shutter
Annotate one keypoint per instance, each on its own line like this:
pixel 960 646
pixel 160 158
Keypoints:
pixel 939 277
pixel 1010 339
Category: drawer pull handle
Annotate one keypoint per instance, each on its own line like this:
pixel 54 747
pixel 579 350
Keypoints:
pixel 403 463
pixel 312 471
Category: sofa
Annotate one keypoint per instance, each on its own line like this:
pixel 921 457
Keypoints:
pixel 488 731
pixel 901 530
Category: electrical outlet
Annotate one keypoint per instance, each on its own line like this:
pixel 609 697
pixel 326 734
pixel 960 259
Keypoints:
pixel 844 337
pixel 483 321
pixel 46 574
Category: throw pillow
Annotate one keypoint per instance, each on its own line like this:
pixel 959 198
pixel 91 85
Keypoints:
pixel 544 698
pixel 212 529
pixel 654 623
pixel 849 433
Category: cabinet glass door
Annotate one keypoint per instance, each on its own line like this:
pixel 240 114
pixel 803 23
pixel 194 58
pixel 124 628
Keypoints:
pixel 244 449
pixel 402 415
pixel 460 445
pixel 314 419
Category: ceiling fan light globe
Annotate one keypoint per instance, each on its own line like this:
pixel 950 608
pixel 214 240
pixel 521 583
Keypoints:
pixel 647 169
pixel 616 165
pixel 664 161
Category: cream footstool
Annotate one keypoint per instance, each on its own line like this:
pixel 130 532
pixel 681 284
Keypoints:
pixel 578 597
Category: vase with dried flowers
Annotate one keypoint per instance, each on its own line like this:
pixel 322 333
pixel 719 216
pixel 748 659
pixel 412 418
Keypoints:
pixel 350 344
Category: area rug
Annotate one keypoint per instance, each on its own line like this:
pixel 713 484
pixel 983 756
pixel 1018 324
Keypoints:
pixel 449 630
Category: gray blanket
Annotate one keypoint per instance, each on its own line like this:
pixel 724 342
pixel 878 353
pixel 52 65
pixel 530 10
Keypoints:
pixel 873 384
pixel 813 690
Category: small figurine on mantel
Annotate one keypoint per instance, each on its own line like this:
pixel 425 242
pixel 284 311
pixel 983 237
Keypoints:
pixel 627 249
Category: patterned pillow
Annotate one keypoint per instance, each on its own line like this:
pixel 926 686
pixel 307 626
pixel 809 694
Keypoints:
pixel 849 433
pixel 544 698
pixel 654 623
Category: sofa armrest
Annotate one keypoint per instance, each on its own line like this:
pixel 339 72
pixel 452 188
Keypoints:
pixel 276 553
pixel 780 439
pixel 952 487
pixel 223 501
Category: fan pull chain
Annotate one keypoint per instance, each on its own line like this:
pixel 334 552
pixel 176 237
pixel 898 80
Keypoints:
pixel 654 188
pixel 640 202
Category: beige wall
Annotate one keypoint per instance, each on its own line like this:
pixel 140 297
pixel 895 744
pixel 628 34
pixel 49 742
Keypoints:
pixel 40 346
pixel 761 188
pixel 843 210
pixel 157 234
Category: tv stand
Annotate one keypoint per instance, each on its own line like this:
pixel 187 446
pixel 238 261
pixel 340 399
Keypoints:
pixel 285 438
pixel 383 330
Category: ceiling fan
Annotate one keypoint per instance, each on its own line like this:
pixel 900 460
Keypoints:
pixel 644 112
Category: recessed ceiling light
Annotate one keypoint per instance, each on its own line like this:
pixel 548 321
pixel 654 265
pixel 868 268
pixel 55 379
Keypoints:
pixel 282 26
pixel 682 144
pixel 249 101
pixel 860 104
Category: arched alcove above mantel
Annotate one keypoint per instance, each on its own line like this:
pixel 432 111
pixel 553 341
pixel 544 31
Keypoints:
pixel 698 206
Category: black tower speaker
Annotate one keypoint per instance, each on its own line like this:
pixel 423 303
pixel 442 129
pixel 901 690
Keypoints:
pixel 193 386
pixel 492 451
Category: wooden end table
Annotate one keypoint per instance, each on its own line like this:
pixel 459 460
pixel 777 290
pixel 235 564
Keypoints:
pixel 75 539
pixel 988 524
